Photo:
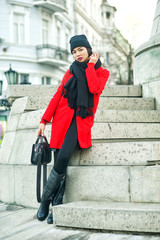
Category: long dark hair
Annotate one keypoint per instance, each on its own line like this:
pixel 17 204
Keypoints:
pixel 89 50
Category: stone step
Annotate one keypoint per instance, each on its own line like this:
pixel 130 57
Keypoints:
pixel 131 116
pixel 113 183
pixel 97 183
pixel 35 103
pixel 15 226
pixel 126 131
pixel 17 91
pixel 32 119
pixel 120 154
pixel 134 217
pixel 106 137
pixel 101 115
pixel 122 91
pixel 111 137
pixel 103 131
pixel 112 147
pixel 126 103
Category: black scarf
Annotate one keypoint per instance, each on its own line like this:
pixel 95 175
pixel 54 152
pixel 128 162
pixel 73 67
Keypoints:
pixel 76 90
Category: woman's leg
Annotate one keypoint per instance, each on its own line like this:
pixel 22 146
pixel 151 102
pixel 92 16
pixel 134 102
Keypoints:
pixel 61 162
pixel 53 183
pixel 61 159
pixel 57 199
pixel 58 196
pixel 69 145
pixel 55 155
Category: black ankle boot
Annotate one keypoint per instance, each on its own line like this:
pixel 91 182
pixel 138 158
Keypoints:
pixel 50 188
pixel 57 198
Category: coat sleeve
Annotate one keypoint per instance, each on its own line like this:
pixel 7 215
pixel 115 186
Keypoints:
pixel 96 83
pixel 48 114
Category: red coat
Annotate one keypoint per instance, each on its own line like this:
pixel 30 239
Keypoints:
pixel 62 114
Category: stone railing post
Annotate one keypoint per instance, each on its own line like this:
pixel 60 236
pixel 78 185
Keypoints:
pixel 147 62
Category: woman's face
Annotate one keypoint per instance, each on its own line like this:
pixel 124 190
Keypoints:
pixel 80 54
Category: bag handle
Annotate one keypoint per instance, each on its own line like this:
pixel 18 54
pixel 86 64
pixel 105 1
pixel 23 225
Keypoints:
pixel 38 189
pixel 38 138
pixel 42 138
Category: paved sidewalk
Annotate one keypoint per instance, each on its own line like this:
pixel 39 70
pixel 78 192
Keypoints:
pixel 18 223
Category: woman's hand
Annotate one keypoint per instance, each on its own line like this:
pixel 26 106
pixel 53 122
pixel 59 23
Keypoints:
pixel 94 58
pixel 41 129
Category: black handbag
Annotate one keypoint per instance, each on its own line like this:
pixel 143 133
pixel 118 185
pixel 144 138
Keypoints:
pixel 41 151
pixel 41 155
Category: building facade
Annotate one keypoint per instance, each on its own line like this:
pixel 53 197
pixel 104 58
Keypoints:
pixel 35 35
pixel 34 39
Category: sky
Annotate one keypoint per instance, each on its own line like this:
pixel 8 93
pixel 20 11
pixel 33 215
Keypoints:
pixel 134 19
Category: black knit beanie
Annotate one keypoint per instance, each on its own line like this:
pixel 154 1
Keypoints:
pixel 79 41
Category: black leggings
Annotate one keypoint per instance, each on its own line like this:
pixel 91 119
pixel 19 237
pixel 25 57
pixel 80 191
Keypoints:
pixel 62 156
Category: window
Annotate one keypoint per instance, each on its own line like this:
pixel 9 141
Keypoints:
pixel 107 57
pixel 108 14
pixel 46 80
pixel 67 40
pixel 59 26
pixel 45 26
pixel 19 28
pixel 24 78
pixel 1 85
pixel 58 34
pixel 67 37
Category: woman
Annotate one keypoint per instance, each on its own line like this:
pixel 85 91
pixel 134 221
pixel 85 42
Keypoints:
pixel 72 108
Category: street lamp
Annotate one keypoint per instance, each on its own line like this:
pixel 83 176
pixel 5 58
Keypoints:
pixel 1 84
pixel 12 76
pixel 3 102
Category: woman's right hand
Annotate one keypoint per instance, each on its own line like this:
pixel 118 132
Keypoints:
pixel 94 58
pixel 41 129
